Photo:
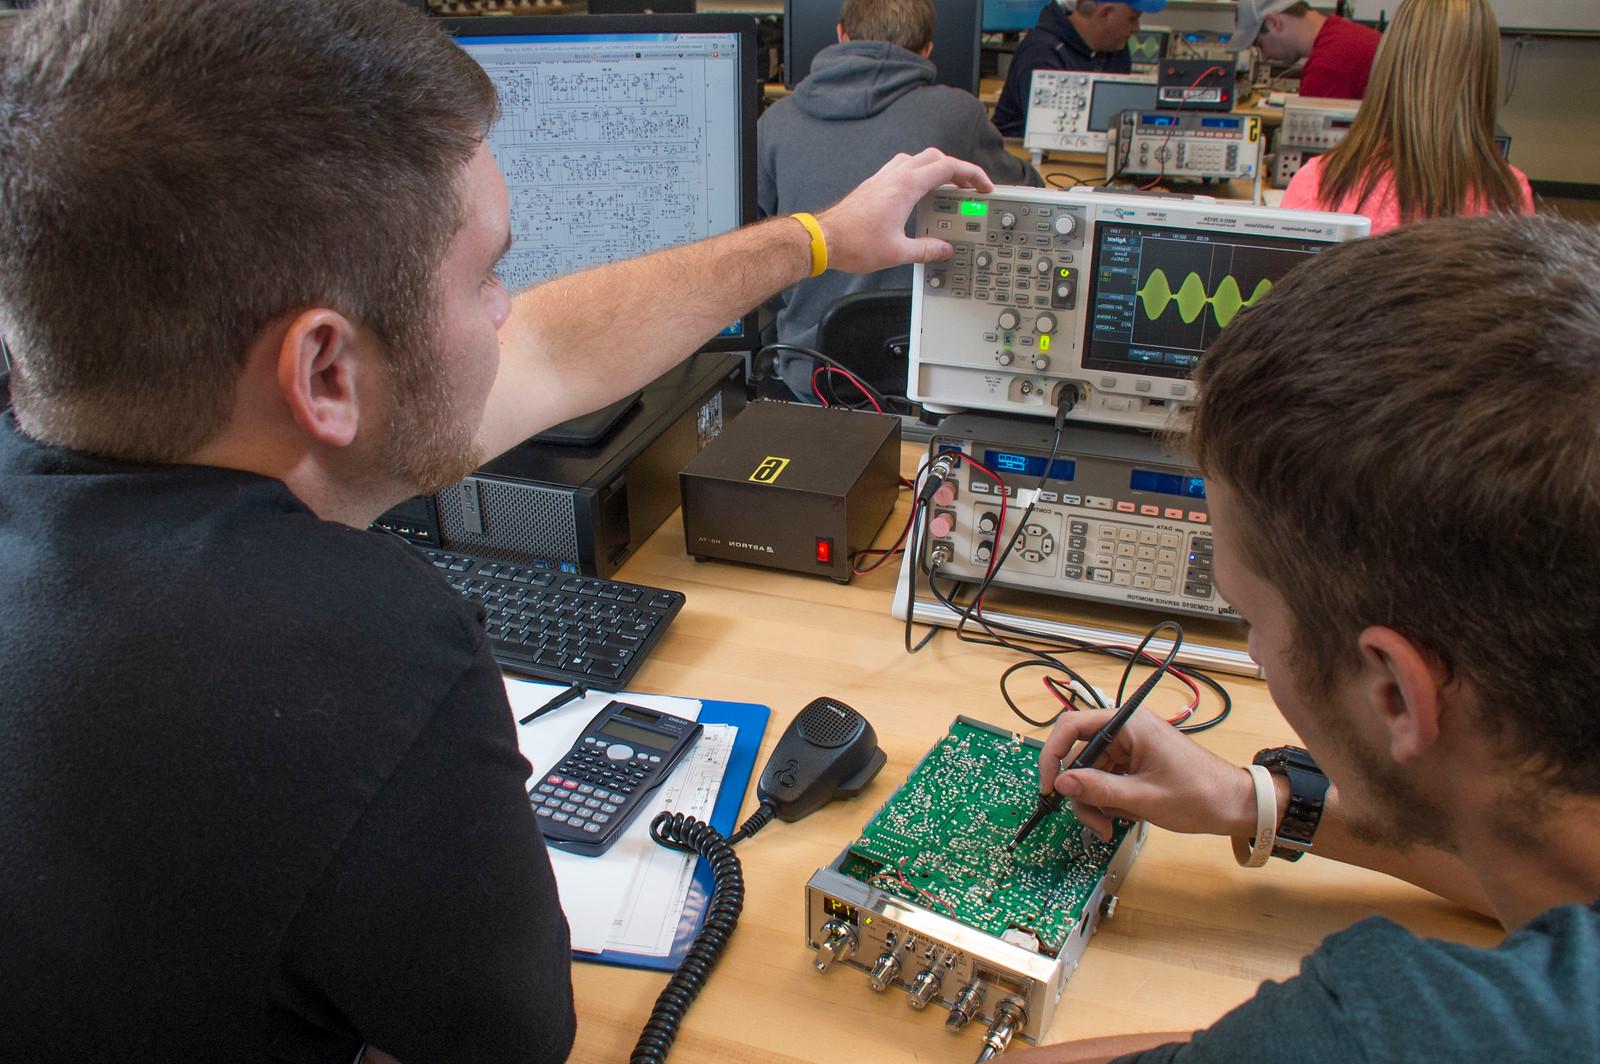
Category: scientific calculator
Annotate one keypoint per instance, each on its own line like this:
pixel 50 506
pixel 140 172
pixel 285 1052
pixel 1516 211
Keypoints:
pixel 585 802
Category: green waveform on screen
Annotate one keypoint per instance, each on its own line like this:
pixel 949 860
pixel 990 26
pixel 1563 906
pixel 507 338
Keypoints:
pixel 1144 49
pixel 1191 297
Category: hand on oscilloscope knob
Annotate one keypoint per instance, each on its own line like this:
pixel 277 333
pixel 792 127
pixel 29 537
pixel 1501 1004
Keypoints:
pixel 865 231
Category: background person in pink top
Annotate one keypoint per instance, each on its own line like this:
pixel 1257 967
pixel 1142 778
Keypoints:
pixel 1422 145
pixel 1337 52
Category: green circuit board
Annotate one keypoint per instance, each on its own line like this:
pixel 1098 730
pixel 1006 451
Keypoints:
pixel 940 841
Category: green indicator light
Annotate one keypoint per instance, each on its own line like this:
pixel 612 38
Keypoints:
pixel 1044 343
pixel 974 208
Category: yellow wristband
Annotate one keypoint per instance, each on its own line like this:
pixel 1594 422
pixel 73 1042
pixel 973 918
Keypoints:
pixel 819 245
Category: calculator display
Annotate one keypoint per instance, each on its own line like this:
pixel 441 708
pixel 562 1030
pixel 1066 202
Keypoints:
pixel 617 729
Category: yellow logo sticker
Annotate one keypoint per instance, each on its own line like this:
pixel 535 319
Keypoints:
pixel 769 469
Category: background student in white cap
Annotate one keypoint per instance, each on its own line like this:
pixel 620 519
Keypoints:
pixel 1338 53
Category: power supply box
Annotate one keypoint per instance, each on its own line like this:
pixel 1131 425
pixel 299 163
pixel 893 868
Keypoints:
pixel 582 499
pixel 792 487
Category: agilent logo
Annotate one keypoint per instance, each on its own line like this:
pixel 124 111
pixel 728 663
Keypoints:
pixel 769 469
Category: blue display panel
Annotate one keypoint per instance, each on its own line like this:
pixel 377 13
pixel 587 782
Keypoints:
pixel 1167 484
pixel 1029 465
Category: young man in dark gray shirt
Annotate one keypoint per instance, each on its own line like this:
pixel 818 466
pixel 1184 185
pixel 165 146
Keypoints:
pixel 260 791
pixel 1402 459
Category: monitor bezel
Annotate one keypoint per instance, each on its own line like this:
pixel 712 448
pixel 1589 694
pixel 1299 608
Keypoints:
pixel 749 101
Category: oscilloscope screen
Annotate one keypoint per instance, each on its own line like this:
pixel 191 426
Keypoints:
pixel 1158 297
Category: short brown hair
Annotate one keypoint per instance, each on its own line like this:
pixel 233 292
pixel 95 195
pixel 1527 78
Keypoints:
pixel 1409 423
pixel 175 176
pixel 905 23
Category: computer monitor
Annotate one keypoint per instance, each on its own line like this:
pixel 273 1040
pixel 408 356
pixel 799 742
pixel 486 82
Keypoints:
pixel 1011 16
pixel 618 136
pixel 809 26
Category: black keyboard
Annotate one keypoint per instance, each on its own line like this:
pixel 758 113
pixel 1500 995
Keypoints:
pixel 559 626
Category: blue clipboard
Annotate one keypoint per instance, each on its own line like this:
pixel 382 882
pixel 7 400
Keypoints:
pixel 751 721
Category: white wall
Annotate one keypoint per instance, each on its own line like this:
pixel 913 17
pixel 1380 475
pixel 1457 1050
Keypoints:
pixel 1552 114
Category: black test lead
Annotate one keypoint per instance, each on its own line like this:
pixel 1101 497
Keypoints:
pixel 1049 803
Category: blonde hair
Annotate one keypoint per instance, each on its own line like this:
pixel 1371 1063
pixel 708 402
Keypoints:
pixel 1428 117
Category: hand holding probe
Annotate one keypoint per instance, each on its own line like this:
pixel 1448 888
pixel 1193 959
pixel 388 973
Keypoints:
pixel 1102 739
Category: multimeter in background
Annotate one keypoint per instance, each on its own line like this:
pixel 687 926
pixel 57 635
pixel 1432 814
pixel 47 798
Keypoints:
pixel 585 801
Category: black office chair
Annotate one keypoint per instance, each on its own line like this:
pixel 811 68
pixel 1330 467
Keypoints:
pixel 870 333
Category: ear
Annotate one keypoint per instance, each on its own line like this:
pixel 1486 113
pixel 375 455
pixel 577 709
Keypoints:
pixel 844 38
pixel 926 50
pixel 1273 22
pixel 1405 687
pixel 321 374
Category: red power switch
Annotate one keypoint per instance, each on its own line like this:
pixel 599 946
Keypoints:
pixel 824 551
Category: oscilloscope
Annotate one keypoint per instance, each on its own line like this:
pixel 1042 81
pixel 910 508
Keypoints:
pixel 1112 295
pixel 1071 110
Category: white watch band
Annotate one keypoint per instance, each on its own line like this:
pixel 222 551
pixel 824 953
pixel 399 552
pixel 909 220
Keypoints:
pixel 1259 849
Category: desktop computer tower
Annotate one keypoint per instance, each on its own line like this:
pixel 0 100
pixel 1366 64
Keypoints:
pixel 584 507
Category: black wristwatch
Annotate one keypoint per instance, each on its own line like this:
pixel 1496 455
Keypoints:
pixel 1308 789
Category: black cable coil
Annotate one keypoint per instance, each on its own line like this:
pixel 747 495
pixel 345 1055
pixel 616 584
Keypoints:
pixel 691 835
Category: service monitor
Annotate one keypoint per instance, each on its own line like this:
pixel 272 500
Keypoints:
pixel 619 135
pixel 1111 297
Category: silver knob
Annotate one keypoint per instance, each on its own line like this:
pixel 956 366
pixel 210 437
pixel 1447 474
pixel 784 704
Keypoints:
pixel 965 1005
pixel 1010 319
pixel 1008 220
pixel 986 523
pixel 1043 266
pixel 1045 324
pixel 1041 362
pixel 1064 290
pixel 984 552
pixel 1005 358
pixel 883 971
pixel 1065 224
pixel 838 942
pixel 984 259
pixel 923 988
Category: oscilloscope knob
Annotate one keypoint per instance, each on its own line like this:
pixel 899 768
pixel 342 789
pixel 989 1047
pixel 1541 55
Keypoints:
pixel 1045 324
pixel 1008 220
pixel 1005 358
pixel 983 260
pixel 1009 319
pixel 1043 266
pixel 1064 224
pixel 1041 362
pixel 986 523
pixel 935 280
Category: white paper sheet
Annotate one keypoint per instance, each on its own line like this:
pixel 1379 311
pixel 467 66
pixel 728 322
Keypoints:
pixel 632 897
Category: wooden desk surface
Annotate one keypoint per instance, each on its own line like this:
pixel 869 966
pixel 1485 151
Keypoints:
pixel 1193 935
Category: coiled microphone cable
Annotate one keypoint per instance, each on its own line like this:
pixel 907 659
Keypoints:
pixel 692 835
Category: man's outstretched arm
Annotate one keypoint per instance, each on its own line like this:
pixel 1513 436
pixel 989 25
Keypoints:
pixel 576 343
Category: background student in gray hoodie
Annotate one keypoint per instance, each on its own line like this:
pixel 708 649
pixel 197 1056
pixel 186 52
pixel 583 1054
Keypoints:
pixel 868 98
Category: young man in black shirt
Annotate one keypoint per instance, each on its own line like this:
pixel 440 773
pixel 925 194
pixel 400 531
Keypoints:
pixel 261 792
